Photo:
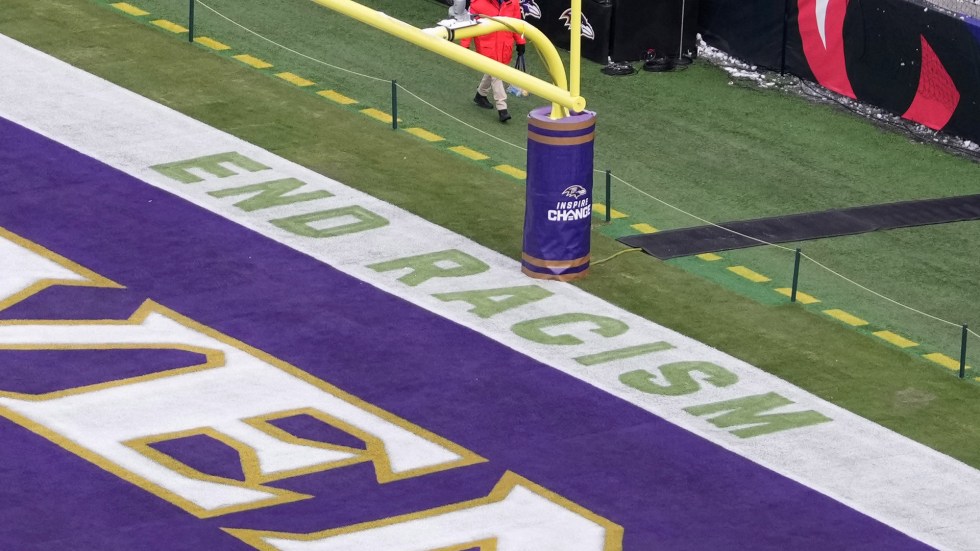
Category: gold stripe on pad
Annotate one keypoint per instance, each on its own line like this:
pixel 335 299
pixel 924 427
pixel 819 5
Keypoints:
pixel 553 140
pixel 554 277
pixel 549 125
pixel 555 263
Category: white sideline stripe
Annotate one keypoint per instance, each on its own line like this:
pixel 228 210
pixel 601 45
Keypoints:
pixel 876 471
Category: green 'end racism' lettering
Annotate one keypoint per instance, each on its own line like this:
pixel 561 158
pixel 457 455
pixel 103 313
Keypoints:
pixel 212 164
pixel 533 330
pixel 624 353
pixel 678 377
pixel 271 194
pixel 449 263
pixel 490 302
pixel 748 411
pixel 301 224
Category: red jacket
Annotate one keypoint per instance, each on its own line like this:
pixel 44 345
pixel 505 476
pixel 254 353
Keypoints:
pixel 499 45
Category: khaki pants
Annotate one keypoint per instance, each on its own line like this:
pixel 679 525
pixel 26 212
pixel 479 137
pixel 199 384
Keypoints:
pixel 488 84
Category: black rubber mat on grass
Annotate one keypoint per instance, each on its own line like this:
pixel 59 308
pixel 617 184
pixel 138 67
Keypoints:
pixel 809 225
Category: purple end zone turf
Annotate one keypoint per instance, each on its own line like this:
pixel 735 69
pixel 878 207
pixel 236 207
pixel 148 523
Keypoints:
pixel 668 488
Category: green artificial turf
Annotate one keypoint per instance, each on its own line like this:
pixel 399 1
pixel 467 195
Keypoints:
pixel 690 139
pixel 719 132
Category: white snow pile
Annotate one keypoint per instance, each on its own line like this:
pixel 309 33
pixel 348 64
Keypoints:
pixel 958 8
pixel 742 73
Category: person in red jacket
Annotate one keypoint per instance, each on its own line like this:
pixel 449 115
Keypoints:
pixel 497 46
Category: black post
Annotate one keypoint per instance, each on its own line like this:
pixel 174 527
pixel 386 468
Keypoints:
pixel 394 105
pixel 796 276
pixel 963 353
pixel 782 62
pixel 190 20
pixel 608 195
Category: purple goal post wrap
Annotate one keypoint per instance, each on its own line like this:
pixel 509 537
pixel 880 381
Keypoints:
pixel 558 207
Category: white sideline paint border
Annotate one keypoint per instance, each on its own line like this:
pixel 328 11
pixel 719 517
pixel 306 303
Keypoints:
pixel 900 482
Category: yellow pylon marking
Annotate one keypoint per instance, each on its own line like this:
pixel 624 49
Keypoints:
pixel 337 97
pixel 512 171
pixel 748 274
pixel 943 360
pixel 801 297
pixel 252 61
pixel 425 134
pixel 169 26
pixel 895 339
pixel 601 209
pixel 843 316
pixel 295 79
pixel 377 114
pixel 211 43
pixel 468 153
pixel 130 9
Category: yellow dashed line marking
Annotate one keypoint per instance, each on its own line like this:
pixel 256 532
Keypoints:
pixel 748 274
pixel 211 43
pixel 943 360
pixel 295 79
pixel 425 134
pixel 801 297
pixel 252 61
pixel 130 9
pixel 601 209
pixel 895 339
pixel 843 316
pixel 469 153
pixel 170 26
pixel 377 114
pixel 512 171
pixel 337 97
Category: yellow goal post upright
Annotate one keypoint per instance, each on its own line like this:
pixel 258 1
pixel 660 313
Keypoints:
pixel 557 221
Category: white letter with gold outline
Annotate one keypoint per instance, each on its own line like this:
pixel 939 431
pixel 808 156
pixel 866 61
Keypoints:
pixel 27 269
pixel 230 397
pixel 518 515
